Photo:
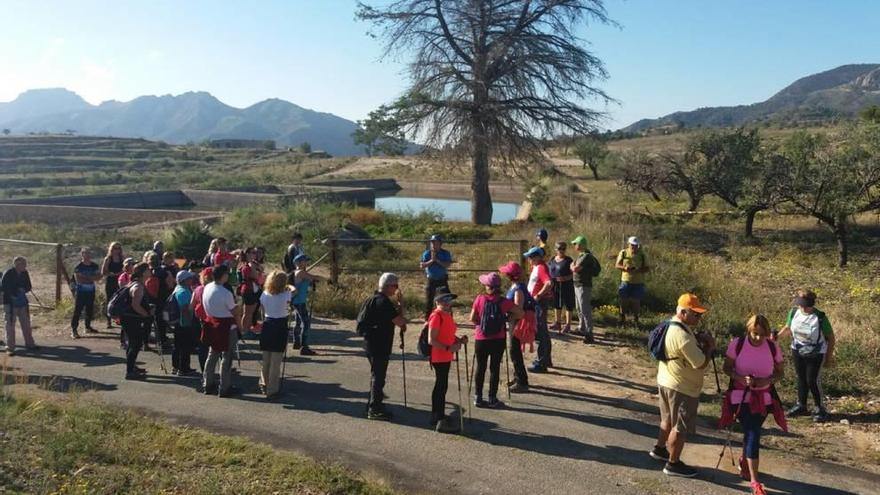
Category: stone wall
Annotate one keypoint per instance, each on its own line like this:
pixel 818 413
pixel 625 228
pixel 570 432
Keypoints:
pixel 81 216
pixel 151 199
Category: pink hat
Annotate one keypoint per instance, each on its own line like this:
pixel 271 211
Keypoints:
pixel 512 269
pixel 490 279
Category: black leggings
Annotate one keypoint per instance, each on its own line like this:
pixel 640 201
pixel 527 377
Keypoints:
pixel 808 370
pixel 111 285
pixel 438 396
pixel 84 301
pixel 135 328
pixel 486 349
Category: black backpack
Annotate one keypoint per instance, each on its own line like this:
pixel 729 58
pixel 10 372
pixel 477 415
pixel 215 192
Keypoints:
pixel 594 266
pixel 657 340
pixel 364 323
pixel 492 320
pixel 120 303
pixel 171 311
pixel 424 346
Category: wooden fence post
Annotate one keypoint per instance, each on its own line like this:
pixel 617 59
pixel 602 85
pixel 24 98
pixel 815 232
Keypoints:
pixel 334 262
pixel 59 260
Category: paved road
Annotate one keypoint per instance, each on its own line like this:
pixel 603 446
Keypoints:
pixel 582 430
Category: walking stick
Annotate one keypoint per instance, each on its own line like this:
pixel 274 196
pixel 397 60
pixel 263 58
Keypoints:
pixel 715 367
pixel 469 377
pixel 403 362
pixel 460 409
pixel 507 363
pixel 159 347
pixel 729 439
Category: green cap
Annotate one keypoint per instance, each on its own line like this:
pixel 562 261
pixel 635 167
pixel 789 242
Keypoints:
pixel 580 241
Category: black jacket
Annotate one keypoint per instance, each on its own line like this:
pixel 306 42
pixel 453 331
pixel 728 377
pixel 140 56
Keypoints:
pixel 12 281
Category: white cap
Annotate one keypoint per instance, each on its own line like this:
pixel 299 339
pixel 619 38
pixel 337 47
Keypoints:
pixel 634 241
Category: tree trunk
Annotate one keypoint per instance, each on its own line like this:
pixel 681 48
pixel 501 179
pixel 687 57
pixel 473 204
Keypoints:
pixel 840 232
pixel 595 170
pixel 750 222
pixel 693 201
pixel 481 199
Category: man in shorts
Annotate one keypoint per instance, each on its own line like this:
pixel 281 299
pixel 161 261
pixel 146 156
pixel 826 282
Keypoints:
pixel 680 381
pixel 633 265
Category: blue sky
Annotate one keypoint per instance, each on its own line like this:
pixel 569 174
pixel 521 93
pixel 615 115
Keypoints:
pixel 667 55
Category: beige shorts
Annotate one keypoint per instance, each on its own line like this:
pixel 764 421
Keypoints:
pixel 678 410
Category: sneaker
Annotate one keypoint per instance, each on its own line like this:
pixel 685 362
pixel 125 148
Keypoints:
pixel 175 371
pixel 820 416
pixel 519 388
pixel 134 376
pixel 537 369
pixel 797 410
pixel 758 489
pixel 74 334
pixel 679 469
pixel 379 415
pixel 89 329
pixel 660 453
pixel 494 403
pixel 445 426
pixel 480 403
pixel 10 352
pixel 744 471
pixel 307 351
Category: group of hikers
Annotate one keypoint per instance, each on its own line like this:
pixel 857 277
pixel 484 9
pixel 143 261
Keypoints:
pixel 213 303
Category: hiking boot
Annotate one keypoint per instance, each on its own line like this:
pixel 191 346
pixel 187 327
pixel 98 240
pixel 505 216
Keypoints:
pixel 307 351
pixel 519 388
pixel 744 471
pixel 494 403
pixel 445 426
pixel 797 410
pixel 820 416
pixel 480 403
pixel 758 489
pixel 679 469
pixel 537 369
pixel 660 453
pixel 380 415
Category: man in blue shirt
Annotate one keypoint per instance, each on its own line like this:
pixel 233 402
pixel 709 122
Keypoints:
pixel 86 274
pixel 435 261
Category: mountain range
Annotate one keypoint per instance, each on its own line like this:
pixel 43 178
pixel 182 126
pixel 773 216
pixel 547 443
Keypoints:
pixel 837 93
pixel 193 116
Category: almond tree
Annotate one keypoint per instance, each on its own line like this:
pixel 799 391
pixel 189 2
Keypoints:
pixel 489 79
pixel 835 179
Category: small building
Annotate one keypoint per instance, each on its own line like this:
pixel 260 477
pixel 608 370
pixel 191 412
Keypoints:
pixel 262 144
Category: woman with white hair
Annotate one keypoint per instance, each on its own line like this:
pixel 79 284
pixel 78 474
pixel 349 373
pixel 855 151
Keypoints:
pixel 376 321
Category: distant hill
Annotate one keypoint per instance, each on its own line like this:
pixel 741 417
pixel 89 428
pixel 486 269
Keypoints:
pixel 837 93
pixel 194 116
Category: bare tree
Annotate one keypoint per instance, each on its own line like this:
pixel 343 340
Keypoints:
pixel 643 172
pixel 491 78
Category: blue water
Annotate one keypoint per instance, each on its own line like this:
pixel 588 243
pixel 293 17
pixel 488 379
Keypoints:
pixel 452 209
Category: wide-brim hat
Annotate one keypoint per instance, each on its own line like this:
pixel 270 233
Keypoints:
pixel 443 293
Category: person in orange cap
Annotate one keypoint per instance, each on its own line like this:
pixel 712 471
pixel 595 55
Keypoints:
pixel 680 381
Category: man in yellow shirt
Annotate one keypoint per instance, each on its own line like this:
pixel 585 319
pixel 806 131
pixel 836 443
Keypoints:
pixel 680 381
pixel 633 265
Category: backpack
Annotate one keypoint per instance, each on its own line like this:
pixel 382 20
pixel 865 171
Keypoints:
pixel 809 349
pixel 492 319
pixel 594 267
pixel 657 340
pixel 171 311
pixel 364 322
pixel 120 302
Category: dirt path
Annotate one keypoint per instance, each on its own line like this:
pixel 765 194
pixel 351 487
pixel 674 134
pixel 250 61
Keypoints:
pixel 585 428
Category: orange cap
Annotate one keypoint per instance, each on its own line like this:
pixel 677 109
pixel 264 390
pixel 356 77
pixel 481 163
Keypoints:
pixel 691 302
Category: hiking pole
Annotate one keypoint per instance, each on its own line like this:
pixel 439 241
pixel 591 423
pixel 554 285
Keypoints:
pixel 159 346
pixel 460 407
pixel 507 363
pixel 403 363
pixel 37 299
pixel 715 367
pixel 729 440
pixel 469 377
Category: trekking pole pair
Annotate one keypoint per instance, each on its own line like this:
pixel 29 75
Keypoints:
pixel 729 440
pixel 159 346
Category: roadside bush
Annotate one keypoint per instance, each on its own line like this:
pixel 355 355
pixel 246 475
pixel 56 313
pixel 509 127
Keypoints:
pixel 190 240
